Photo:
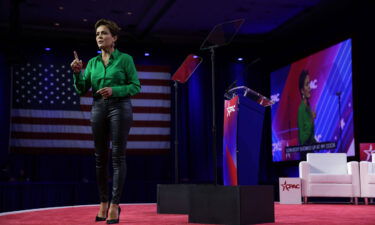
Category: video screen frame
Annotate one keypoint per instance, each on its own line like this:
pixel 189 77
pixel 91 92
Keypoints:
pixel 319 121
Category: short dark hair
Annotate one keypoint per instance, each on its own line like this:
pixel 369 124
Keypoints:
pixel 301 82
pixel 111 25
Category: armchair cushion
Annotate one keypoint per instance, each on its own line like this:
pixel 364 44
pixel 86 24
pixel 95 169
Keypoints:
pixel 331 178
pixel 371 173
pixel 328 163
pixel 371 178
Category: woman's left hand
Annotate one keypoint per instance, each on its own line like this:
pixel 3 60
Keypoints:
pixel 106 92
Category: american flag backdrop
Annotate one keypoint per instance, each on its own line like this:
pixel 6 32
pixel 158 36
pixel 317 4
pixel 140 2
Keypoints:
pixel 47 114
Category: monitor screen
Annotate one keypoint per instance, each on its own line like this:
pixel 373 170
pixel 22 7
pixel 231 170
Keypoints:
pixel 187 68
pixel 313 110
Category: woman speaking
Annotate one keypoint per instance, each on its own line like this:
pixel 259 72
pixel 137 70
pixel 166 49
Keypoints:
pixel 306 117
pixel 113 79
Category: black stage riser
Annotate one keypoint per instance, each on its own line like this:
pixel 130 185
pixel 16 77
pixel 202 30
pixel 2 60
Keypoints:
pixel 173 198
pixel 234 205
pixel 215 204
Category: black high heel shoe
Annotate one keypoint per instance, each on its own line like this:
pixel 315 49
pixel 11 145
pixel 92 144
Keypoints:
pixel 113 221
pixel 98 219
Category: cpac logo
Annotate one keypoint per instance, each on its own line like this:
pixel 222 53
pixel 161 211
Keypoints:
pixel 290 186
pixel 231 109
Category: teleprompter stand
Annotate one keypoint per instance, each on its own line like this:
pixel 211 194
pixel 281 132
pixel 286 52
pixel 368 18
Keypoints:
pixel 174 198
pixel 222 34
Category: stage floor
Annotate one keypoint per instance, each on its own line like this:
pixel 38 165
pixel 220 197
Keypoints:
pixel 309 214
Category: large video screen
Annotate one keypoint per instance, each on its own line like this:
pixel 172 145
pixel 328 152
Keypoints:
pixel 313 110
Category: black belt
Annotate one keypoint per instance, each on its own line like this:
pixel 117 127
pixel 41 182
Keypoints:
pixel 110 98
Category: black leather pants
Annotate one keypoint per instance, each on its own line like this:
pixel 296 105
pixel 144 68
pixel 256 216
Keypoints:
pixel 111 119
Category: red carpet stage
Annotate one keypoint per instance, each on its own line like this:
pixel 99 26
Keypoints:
pixel 146 214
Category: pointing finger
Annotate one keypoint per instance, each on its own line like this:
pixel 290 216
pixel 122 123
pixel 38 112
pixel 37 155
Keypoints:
pixel 75 55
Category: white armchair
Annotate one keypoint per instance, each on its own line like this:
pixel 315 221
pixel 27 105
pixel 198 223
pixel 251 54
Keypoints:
pixel 367 171
pixel 329 175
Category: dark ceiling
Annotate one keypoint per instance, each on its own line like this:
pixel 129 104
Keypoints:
pixel 168 20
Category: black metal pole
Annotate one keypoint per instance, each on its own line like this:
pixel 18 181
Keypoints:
pixel 175 134
pixel 214 154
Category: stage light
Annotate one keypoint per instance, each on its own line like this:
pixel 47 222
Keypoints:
pixel 99 51
pixel 195 56
pixel 147 54
pixel 47 49
pixel 240 59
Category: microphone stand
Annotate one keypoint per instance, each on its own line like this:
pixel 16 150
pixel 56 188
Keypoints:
pixel 340 129
pixel 226 93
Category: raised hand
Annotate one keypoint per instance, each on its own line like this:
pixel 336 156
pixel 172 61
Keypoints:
pixel 76 65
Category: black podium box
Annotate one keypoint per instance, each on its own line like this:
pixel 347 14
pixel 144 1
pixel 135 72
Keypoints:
pixel 234 205
pixel 173 198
